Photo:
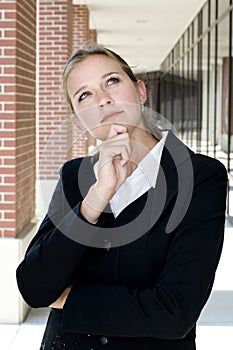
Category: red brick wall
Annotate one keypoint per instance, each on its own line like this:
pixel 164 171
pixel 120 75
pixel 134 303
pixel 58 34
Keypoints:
pixel 17 115
pixel 55 46
pixel 80 26
pixel 81 36
pixel 92 36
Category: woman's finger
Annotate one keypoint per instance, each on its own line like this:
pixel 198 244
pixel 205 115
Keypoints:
pixel 116 129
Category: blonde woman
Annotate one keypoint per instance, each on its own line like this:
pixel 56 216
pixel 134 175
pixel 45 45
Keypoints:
pixel 127 253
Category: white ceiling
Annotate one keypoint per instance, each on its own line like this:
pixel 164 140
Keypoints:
pixel 144 31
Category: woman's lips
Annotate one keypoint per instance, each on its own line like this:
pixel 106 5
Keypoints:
pixel 110 116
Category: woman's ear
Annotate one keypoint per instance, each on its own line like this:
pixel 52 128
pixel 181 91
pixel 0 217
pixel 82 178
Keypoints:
pixel 141 91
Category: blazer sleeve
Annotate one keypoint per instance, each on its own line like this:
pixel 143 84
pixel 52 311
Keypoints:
pixel 53 254
pixel 172 306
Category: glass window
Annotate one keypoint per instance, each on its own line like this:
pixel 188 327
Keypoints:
pixel 223 54
pixel 200 23
pixel 223 6
pixel 205 89
pixel 176 52
pixel 186 113
pixel 195 29
pixel 186 40
pixel 195 90
pixel 191 34
pixel 214 81
pixel 205 17
pixel 230 162
pixel 212 11
pixel 182 45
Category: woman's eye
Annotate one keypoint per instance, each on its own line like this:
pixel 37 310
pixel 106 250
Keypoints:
pixel 112 81
pixel 83 96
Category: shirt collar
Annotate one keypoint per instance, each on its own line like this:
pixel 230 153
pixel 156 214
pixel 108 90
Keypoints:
pixel 149 165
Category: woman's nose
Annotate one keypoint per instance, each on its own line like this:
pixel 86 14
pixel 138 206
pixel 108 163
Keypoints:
pixel 104 99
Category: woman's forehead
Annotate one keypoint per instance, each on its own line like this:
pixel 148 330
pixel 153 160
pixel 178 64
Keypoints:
pixel 94 66
pixel 99 61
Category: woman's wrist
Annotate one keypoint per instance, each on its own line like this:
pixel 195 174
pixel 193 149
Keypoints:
pixel 103 192
pixel 93 205
pixel 60 302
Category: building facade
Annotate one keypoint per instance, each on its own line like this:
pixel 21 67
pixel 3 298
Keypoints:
pixel 194 88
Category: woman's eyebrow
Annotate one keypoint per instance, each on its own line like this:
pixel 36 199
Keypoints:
pixel 85 86
pixel 80 89
pixel 107 74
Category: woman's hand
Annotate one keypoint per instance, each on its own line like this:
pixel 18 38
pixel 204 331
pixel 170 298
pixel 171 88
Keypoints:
pixel 113 170
pixel 60 302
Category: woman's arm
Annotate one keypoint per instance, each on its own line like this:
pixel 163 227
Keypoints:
pixel 52 255
pixel 55 252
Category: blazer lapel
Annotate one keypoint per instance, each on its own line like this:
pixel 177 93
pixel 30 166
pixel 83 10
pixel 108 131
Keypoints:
pixel 175 173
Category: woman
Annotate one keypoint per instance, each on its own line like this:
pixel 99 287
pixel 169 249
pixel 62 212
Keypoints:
pixel 127 253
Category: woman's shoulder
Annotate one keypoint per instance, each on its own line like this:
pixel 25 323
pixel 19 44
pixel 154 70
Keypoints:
pixel 206 166
pixel 200 160
pixel 77 173
pixel 182 154
pixel 72 163
pixel 76 176
pixel 75 163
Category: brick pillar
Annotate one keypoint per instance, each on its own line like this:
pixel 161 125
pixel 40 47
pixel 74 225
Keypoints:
pixel 93 36
pixel 80 26
pixel 81 36
pixel 17 115
pixel 55 46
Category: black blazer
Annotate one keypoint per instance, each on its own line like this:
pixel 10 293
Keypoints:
pixel 150 290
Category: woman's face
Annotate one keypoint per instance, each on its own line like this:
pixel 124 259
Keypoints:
pixel 102 93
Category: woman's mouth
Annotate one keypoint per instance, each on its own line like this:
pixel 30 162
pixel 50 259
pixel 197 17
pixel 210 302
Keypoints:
pixel 110 116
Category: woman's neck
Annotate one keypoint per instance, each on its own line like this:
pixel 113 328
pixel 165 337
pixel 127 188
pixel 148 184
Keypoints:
pixel 141 144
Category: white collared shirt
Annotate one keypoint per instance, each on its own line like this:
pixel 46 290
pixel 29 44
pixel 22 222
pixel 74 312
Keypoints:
pixel 140 181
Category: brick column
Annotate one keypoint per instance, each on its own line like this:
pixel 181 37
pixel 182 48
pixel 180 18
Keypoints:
pixel 80 26
pixel 17 147
pixel 17 114
pixel 93 36
pixel 81 36
pixel 55 46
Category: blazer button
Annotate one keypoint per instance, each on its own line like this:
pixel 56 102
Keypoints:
pixel 107 244
pixel 103 340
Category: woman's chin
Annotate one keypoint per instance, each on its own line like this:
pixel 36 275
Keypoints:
pixel 101 132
